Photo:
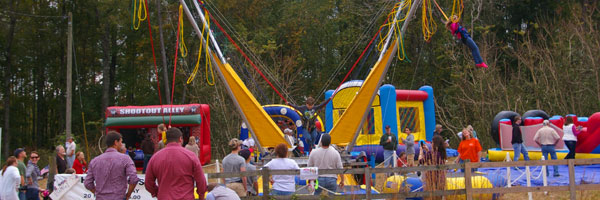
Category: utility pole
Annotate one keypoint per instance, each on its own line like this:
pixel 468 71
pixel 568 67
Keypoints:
pixel 69 75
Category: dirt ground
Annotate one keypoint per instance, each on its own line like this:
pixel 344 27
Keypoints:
pixel 581 195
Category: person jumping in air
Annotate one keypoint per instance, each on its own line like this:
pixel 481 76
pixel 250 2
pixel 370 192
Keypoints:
pixel 461 33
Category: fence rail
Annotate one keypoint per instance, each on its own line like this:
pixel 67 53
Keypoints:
pixel 469 191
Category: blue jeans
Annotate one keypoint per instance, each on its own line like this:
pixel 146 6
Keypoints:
pixel 387 158
pixel 22 196
pixel 310 138
pixel 519 148
pixel 571 146
pixel 474 50
pixel 281 193
pixel 70 160
pixel 549 149
pixel 146 161
pixel 467 40
pixel 463 169
pixel 328 183
pixel 33 194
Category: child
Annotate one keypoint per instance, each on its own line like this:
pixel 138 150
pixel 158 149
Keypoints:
pixel 402 162
pixel 461 33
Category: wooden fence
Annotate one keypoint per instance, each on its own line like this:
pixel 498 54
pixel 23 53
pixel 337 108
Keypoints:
pixel 469 191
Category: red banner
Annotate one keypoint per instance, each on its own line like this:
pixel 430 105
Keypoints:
pixel 153 110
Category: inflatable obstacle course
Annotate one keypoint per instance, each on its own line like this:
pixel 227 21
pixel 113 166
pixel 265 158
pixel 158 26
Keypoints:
pixel 588 141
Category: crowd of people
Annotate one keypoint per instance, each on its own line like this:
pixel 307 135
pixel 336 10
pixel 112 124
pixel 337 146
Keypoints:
pixel 323 157
pixel 20 181
pixel 113 175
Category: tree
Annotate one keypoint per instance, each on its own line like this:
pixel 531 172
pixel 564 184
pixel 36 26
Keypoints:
pixel 7 79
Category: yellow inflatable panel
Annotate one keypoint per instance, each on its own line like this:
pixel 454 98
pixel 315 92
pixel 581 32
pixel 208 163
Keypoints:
pixel 419 132
pixel 342 99
pixel 258 121
pixel 348 179
pixel 345 129
pixel 395 184
pixel 500 155
pixel 259 181
pixel 456 183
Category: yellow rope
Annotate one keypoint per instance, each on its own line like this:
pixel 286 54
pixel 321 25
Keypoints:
pixel 141 6
pixel 439 8
pixel 397 28
pixel 457 10
pixel 208 64
pixel 195 71
pixel 207 56
pixel 428 23
pixel 184 50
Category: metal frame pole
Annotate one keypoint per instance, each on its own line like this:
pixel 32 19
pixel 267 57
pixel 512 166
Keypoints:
pixel 220 55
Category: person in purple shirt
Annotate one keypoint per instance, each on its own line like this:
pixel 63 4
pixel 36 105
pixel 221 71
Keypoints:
pixel 110 172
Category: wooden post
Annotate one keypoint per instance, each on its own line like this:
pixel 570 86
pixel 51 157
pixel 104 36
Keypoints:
pixel 468 184
pixel 571 163
pixel 69 76
pixel 368 182
pixel 266 179
pixel 219 171
pixel 52 172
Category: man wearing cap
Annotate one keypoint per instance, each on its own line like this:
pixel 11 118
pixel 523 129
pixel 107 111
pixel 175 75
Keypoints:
pixel 21 155
pixel 438 130
pixel 288 136
pixel 70 147
pixel 252 185
pixel 325 157
pixel 547 138
pixel 235 163
pixel 390 144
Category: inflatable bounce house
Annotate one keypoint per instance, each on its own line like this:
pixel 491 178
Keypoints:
pixel 399 109
pixel 134 122
pixel 588 141
pixel 285 117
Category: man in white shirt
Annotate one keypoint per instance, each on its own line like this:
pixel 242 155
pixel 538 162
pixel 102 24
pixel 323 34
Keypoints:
pixel 70 145
pixel 547 138
pixel 248 143
pixel 289 137
pixel 326 157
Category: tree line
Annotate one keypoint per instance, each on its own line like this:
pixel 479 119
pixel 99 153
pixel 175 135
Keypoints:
pixel 542 55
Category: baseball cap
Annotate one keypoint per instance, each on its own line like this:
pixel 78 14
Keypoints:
pixel 245 153
pixel 18 151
